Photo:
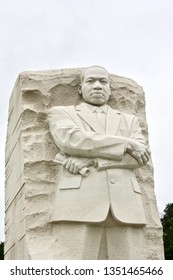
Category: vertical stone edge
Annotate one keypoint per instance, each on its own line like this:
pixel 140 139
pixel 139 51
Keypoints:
pixel 15 227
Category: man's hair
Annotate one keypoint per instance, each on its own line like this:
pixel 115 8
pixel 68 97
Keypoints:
pixel 85 69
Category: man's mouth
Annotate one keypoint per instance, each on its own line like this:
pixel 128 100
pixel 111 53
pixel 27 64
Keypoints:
pixel 97 94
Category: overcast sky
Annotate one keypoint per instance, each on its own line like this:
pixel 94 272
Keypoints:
pixel 131 38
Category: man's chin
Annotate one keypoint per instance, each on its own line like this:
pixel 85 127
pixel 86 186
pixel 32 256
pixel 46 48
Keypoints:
pixel 97 102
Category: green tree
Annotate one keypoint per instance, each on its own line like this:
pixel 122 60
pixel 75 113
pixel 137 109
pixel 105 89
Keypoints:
pixel 1 250
pixel 167 223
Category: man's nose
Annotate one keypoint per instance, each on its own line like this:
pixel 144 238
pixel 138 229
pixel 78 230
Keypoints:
pixel 97 85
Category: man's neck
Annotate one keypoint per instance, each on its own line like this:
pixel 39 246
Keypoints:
pixel 92 107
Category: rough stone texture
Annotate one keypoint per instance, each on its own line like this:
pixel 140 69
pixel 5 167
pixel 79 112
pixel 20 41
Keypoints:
pixel 30 172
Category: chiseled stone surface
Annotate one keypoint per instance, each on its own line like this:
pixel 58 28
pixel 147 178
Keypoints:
pixel 31 174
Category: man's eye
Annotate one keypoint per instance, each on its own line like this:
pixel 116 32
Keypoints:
pixel 104 81
pixel 89 81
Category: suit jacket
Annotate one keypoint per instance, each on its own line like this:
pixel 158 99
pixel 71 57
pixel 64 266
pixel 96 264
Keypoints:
pixel 112 185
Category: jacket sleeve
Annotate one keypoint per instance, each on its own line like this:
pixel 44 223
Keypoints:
pixel 76 141
pixel 127 161
pixel 136 132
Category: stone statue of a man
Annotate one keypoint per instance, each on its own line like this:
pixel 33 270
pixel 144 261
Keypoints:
pixel 98 211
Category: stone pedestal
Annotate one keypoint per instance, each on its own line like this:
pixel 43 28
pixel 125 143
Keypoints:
pixel 31 174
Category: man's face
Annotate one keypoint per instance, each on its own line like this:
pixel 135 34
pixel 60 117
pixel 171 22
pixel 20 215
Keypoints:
pixel 95 86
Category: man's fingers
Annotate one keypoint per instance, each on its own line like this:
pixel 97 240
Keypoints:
pixel 75 169
pixel 145 159
pixel 74 165
pixel 71 166
pixel 147 151
pixel 140 161
pixel 141 157
pixel 67 164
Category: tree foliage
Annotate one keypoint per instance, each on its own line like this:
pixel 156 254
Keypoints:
pixel 167 223
pixel 1 250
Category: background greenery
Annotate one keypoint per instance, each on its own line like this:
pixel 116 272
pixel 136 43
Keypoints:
pixel 167 223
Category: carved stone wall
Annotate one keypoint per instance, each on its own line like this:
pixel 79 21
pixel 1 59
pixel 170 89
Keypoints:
pixel 30 172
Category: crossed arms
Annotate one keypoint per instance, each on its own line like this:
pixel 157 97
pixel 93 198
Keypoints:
pixel 87 148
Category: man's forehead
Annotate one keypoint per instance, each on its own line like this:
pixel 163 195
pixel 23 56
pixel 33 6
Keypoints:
pixel 96 72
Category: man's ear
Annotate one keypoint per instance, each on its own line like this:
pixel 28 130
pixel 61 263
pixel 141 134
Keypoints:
pixel 79 90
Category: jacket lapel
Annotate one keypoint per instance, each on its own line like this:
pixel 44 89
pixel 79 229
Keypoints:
pixel 85 113
pixel 113 121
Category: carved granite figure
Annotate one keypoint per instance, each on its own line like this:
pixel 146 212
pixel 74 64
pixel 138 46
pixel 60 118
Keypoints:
pixel 98 210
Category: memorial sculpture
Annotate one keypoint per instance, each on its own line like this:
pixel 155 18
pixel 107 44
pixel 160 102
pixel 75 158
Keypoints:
pixel 100 204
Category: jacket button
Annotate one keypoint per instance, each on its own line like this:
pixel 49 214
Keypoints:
pixel 112 180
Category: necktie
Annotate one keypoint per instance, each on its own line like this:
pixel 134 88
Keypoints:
pixel 101 116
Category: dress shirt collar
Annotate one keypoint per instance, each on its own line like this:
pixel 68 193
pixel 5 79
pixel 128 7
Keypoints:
pixel 94 108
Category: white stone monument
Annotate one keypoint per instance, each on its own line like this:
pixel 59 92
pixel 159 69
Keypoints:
pixel 36 195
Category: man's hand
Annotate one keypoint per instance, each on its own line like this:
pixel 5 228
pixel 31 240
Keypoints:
pixel 75 164
pixel 140 152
